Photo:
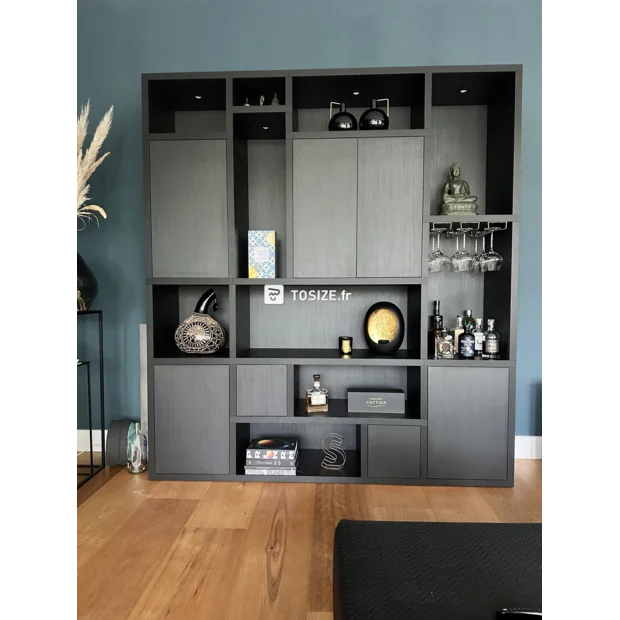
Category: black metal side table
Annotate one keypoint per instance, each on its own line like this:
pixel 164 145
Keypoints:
pixel 94 468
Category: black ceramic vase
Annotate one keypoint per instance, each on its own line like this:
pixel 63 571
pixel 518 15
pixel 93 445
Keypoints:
pixel 374 118
pixel 384 327
pixel 342 121
pixel 86 285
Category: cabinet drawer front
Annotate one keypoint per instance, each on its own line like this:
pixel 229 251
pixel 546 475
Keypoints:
pixel 261 390
pixel 468 423
pixel 191 419
pixel 189 208
pixel 393 451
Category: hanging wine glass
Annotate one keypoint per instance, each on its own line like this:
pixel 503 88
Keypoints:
pixel 437 260
pixel 491 260
pixel 462 260
pixel 475 265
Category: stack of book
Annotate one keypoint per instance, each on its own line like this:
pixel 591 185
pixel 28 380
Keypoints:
pixel 271 457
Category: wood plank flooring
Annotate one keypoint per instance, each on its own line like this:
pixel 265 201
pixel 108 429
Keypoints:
pixel 184 550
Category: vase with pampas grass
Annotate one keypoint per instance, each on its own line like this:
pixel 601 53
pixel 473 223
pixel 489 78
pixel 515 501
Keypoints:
pixel 87 162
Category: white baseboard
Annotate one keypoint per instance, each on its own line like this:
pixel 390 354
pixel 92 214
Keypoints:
pixel 528 447
pixel 83 440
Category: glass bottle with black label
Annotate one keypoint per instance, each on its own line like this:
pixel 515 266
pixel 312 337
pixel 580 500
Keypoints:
pixel 436 327
pixel 467 344
pixel 491 342
pixel 478 338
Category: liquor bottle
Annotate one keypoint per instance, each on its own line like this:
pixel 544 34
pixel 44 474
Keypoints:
pixel 445 345
pixel 478 338
pixel 136 450
pixel 316 397
pixel 435 330
pixel 466 344
pixel 468 319
pixel 456 333
pixel 491 342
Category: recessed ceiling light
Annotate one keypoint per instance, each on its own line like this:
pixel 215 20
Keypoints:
pixel 198 96
pixel 463 90
pixel 356 92
pixel 265 126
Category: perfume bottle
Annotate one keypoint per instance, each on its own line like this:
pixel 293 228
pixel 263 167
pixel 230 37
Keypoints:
pixel 316 398
pixel 445 345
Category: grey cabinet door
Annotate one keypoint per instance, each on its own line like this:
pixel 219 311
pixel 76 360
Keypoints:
pixel 389 212
pixel 261 390
pixel 468 423
pixel 189 222
pixel 324 207
pixel 191 419
pixel 393 451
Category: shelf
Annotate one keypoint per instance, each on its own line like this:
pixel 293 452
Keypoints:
pixel 385 133
pixel 327 282
pixel 438 219
pixel 260 109
pixel 475 363
pixel 360 357
pixel 178 357
pixel 187 135
pixel 309 466
pixel 182 281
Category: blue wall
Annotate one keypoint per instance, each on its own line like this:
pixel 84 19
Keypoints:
pixel 120 39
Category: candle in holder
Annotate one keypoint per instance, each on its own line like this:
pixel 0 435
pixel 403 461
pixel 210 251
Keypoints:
pixel 345 344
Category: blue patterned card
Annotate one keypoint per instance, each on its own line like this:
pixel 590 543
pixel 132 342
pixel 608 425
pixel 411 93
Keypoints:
pixel 261 254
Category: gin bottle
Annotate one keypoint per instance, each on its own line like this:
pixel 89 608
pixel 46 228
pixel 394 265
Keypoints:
pixel 456 332
pixel 478 338
pixel 491 342
pixel 316 397
pixel 469 320
pixel 466 344
pixel 435 331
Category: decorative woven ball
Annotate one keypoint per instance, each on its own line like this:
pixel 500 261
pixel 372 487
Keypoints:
pixel 200 332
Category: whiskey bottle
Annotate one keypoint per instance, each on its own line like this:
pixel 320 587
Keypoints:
pixel 478 338
pixel 316 397
pixel 466 344
pixel 491 342
pixel 456 333
pixel 435 331
pixel 445 345
pixel 469 320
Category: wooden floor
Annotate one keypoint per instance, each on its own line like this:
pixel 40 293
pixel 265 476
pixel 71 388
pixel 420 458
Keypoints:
pixel 249 551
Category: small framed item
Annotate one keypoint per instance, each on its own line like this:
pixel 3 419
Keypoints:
pixel 261 254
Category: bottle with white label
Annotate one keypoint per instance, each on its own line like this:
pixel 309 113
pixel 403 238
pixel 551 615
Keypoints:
pixel 478 338
pixel 491 342
pixel 316 397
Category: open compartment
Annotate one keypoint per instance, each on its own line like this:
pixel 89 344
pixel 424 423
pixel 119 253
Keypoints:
pixel 260 183
pixel 312 96
pixel 310 438
pixel 473 122
pixel 338 379
pixel 487 294
pixel 311 319
pixel 172 304
pixel 187 106
pixel 253 88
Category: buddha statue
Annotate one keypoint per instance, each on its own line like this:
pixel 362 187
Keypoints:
pixel 457 199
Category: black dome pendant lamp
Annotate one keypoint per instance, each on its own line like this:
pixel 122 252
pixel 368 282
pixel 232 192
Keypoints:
pixel 374 117
pixel 341 121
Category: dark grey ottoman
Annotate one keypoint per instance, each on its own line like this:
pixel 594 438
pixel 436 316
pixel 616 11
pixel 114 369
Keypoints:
pixel 435 571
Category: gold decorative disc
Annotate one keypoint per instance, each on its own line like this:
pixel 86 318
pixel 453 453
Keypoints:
pixel 382 325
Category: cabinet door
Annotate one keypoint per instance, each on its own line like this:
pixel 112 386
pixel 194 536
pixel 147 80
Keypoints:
pixel 324 207
pixel 393 451
pixel 191 419
pixel 389 212
pixel 468 423
pixel 261 390
pixel 189 208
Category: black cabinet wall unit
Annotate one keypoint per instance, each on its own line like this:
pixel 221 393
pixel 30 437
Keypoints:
pixel 353 213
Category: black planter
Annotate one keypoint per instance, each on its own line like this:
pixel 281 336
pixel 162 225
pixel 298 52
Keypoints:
pixel 86 285
pixel 384 327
